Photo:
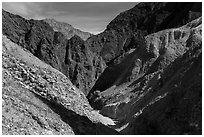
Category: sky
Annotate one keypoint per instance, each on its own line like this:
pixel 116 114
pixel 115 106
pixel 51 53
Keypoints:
pixel 91 17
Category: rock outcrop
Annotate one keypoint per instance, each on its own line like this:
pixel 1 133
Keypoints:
pixel 156 88
pixel 38 99
pixel 67 29
pixel 80 65
pixel 143 19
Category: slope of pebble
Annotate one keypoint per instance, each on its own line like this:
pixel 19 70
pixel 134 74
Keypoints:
pixel 38 99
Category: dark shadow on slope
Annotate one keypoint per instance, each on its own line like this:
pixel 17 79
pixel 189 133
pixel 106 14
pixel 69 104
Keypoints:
pixel 81 125
pixel 174 114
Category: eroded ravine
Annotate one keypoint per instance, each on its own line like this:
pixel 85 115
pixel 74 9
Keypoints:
pixel 150 90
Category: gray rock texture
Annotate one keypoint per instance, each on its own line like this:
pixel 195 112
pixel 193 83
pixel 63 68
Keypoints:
pixel 38 99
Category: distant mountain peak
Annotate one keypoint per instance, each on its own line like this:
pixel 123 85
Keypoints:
pixel 51 20
pixel 67 29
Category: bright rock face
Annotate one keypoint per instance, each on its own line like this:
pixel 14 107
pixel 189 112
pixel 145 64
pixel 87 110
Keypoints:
pixel 38 99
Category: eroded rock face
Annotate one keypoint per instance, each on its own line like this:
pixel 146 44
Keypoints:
pixel 176 108
pixel 38 99
pixel 150 95
pixel 143 19
pixel 154 53
pixel 67 29
pixel 82 66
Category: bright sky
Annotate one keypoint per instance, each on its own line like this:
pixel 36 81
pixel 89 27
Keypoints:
pixel 91 17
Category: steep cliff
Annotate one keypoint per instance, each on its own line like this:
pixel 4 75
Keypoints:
pixel 82 66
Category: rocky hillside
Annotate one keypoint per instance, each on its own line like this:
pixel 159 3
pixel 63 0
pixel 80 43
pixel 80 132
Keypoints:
pixel 155 88
pixel 142 75
pixel 72 57
pixel 143 19
pixel 67 29
pixel 155 52
pixel 38 99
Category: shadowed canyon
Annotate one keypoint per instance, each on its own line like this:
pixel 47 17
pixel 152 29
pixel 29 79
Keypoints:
pixel 141 76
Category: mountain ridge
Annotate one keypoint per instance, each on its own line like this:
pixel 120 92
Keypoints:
pixel 67 29
pixel 142 75
pixel 52 47
pixel 145 18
